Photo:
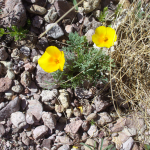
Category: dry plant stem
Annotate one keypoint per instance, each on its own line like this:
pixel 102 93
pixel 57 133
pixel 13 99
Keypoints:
pixel 60 19
pixel 112 90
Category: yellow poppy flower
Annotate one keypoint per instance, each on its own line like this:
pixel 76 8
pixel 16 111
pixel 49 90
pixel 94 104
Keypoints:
pixel 52 60
pixel 104 36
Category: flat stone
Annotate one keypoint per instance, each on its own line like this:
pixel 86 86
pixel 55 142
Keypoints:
pixel 55 32
pixel 35 9
pixel 25 78
pixel 104 118
pixel 93 131
pixel 35 108
pixel 47 143
pixel 128 144
pixel 74 126
pixel 12 107
pixel 40 131
pixel 48 95
pixel 18 119
pixel 101 104
pixel 63 140
pixel 5 84
pixel 49 120
pixel 2 130
pixel 62 7
pixel 42 76
pixel 91 116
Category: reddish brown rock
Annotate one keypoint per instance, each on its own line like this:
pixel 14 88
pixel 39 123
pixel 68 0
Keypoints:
pixel 74 126
pixel 5 84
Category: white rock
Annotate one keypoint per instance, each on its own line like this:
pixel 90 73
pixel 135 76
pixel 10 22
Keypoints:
pixel 64 98
pixel 9 94
pixel 10 74
pixel 69 112
pixel 128 144
pixel 48 95
pixel 49 120
pixel 30 118
pixel 40 131
pixel 51 16
pixel 104 118
pixel 129 131
pixel 93 131
pixel 90 5
pixel 18 119
pixel 63 140
pixel 35 108
pixel 35 59
pixel 68 28
pixel 89 35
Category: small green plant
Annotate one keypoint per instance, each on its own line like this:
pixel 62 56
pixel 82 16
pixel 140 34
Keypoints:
pixel 118 10
pixel 18 34
pixel 147 147
pixel 103 15
pixel 90 147
pixel 92 122
pixel 1 11
pixel 79 65
pixel 94 147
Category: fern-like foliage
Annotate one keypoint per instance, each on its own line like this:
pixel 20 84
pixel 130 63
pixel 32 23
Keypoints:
pixel 78 66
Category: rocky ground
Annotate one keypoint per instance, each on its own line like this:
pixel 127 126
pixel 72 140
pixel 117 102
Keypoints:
pixel 35 117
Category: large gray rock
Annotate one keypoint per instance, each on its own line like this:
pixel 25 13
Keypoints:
pixel 12 107
pixel 55 32
pixel 44 79
pixel 14 13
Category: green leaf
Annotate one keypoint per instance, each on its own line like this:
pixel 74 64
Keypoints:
pixel 2 31
pixel 14 28
pixel 109 147
pixel 147 147
pixel 74 3
pixel 86 145
pixel 101 143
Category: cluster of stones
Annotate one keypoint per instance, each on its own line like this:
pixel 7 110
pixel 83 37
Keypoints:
pixel 34 114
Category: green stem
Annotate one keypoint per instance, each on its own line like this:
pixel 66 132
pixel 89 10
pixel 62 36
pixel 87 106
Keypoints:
pixel 99 51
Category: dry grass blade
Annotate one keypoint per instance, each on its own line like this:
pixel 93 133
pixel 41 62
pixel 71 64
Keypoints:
pixel 132 56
